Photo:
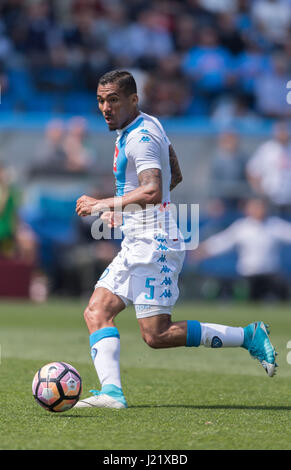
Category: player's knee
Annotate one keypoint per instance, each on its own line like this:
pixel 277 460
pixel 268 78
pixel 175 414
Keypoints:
pixel 153 340
pixel 94 316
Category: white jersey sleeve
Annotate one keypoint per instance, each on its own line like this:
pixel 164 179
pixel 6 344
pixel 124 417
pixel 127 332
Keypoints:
pixel 142 145
pixel 144 150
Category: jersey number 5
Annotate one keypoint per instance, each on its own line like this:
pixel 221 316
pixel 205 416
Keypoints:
pixel 150 296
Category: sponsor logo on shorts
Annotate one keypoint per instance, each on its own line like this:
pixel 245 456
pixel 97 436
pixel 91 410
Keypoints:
pixel 142 307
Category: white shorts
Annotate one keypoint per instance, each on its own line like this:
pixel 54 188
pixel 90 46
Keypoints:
pixel 145 273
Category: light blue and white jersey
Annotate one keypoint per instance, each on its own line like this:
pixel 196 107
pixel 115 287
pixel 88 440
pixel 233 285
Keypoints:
pixel 142 145
pixel 146 269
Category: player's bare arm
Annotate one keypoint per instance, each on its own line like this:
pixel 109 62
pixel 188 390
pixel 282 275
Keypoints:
pixel 149 191
pixel 176 174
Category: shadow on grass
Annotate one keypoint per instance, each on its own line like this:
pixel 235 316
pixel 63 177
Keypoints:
pixel 219 407
pixel 193 407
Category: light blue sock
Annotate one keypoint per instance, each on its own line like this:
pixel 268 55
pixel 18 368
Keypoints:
pixel 193 333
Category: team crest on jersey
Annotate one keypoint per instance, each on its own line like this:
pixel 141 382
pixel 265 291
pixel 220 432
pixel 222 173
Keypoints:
pixel 216 342
pixel 115 158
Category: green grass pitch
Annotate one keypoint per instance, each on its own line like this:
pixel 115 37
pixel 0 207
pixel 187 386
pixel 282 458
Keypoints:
pixel 185 398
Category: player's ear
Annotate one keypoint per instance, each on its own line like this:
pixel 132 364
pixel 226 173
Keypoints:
pixel 134 99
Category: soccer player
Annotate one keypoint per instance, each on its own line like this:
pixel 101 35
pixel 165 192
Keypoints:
pixel 145 271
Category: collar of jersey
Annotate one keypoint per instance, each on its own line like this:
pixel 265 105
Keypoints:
pixel 132 125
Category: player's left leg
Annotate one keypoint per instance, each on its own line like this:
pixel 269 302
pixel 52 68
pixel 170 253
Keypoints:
pixel 159 331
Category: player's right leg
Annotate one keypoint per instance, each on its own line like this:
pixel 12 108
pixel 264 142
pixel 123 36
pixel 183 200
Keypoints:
pixel 105 349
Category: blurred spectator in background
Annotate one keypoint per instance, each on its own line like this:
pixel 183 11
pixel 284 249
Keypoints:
pixel 270 90
pixel 149 38
pixel 287 53
pixel 64 150
pixel 17 240
pixel 55 76
pixel 78 154
pixel 117 35
pixel 19 272
pixel 269 169
pixel 166 91
pixel 227 170
pixel 50 154
pixel 230 36
pixel 219 6
pixel 272 18
pixel 8 215
pixel 252 64
pixel 201 12
pixel 214 218
pixel 6 46
pixel 39 27
pixel 256 237
pixel 185 31
pixel 230 110
pixel 208 66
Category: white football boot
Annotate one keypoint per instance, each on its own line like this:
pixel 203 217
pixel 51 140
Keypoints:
pixel 109 397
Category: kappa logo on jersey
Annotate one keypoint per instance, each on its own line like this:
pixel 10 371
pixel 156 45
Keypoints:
pixel 166 293
pixel 145 139
pixel 115 158
pixel 162 247
pixel 160 238
pixel 165 269
pixel 166 282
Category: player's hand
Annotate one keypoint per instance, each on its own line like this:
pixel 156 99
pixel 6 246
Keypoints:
pixel 112 219
pixel 86 205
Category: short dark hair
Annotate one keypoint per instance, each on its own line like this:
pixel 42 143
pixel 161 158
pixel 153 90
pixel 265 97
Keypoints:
pixel 125 81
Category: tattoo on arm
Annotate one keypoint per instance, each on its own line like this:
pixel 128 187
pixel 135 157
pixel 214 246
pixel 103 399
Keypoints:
pixel 175 168
pixel 151 176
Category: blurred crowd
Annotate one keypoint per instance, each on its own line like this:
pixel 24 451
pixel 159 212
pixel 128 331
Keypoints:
pixel 245 230
pixel 221 58
pixel 41 237
pixel 64 149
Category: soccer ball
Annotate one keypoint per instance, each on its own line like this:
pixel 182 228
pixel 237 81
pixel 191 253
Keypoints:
pixel 57 386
